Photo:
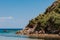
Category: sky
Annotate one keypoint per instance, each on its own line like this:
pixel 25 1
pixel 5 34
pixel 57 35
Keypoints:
pixel 17 13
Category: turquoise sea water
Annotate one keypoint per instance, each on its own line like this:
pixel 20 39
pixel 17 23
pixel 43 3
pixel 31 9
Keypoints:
pixel 10 34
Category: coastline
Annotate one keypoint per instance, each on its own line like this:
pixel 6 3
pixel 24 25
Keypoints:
pixel 41 36
pixel 44 36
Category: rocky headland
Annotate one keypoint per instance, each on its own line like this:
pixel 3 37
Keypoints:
pixel 45 23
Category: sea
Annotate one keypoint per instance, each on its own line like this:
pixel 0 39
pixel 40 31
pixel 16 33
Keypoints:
pixel 10 34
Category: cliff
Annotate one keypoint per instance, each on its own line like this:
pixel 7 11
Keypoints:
pixel 48 22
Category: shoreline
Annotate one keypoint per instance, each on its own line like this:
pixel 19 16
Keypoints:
pixel 44 36
pixel 36 35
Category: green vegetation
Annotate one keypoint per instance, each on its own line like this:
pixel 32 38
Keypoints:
pixel 48 21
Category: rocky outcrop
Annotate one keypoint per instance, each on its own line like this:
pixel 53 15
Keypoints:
pixel 52 7
pixel 49 22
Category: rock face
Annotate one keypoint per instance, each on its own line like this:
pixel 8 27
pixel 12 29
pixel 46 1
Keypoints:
pixel 52 7
pixel 48 22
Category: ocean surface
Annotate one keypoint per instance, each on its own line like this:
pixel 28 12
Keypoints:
pixel 10 34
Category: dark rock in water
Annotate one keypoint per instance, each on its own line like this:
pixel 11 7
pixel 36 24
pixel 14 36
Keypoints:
pixel 5 31
pixel 17 32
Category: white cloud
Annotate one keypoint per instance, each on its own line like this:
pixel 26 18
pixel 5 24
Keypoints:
pixel 10 17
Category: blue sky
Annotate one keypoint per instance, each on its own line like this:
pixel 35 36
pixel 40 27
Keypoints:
pixel 17 13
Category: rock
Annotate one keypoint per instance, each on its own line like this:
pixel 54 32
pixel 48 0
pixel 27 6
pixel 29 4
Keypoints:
pixel 5 30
